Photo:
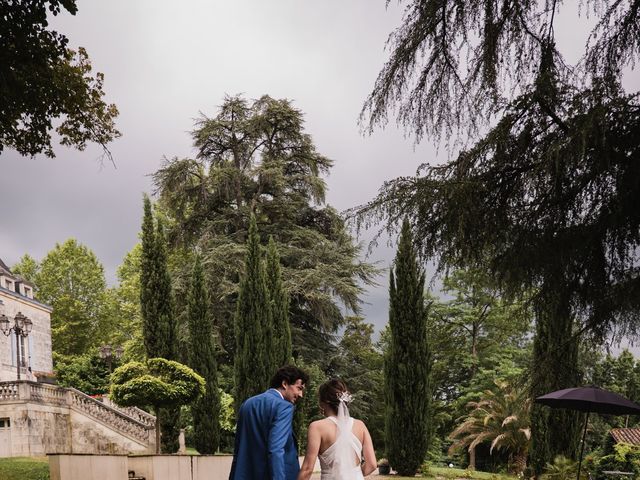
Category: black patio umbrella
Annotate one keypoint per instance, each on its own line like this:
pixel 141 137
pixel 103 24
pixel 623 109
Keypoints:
pixel 589 399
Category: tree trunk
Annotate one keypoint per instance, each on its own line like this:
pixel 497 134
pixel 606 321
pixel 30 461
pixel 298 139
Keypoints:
pixel 519 463
pixel 472 459
pixel 554 367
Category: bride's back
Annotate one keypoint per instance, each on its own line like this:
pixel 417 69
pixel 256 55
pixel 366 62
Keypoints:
pixel 329 432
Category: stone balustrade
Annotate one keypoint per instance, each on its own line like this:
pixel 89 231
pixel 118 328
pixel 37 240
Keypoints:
pixel 108 415
pixel 133 412
pixel 42 392
pixel 9 391
pixel 135 423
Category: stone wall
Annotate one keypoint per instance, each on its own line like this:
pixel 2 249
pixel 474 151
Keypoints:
pixel 151 467
pixel 37 430
pixel 48 419
pixel 87 467
pixel 37 344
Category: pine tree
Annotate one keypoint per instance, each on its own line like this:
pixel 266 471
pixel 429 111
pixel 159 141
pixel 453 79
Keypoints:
pixel 281 351
pixel 252 323
pixel 156 303
pixel 406 364
pixel 202 360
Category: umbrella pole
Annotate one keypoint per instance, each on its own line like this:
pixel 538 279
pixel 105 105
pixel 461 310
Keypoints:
pixel 584 434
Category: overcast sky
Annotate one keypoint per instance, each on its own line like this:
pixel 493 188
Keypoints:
pixel 166 61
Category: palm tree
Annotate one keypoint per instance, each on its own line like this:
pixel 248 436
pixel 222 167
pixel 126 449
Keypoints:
pixel 500 417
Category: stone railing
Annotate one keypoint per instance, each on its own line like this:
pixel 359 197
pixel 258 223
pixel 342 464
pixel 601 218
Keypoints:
pixel 108 415
pixel 133 412
pixel 135 423
pixel 9 391
pixel 44 393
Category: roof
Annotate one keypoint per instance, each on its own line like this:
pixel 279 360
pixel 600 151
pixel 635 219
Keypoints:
pixel 626 435
pixel 3 266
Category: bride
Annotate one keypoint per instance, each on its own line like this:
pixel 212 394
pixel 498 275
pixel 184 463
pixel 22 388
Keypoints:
pixel 342 443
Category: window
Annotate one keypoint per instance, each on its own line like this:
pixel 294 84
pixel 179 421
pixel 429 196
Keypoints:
pixel 27 292
pixel 5 423
pixel 23 351
pixel 8 284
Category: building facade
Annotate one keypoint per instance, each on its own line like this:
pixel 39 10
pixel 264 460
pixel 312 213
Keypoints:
pixel 32 353
pixel 38 417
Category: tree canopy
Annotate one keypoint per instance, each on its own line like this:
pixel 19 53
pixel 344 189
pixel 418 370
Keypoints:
pixel 43 81
pixel 70 278
pixel 544 201
pixel 254 157
pixel 157 383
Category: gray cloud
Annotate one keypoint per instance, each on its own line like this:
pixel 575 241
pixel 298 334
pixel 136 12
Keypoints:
pixel 164 62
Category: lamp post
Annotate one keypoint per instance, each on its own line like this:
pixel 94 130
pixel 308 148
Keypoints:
pixel 21 327
pixel 108 353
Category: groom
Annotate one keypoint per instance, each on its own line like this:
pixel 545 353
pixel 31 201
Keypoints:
pixel 265 448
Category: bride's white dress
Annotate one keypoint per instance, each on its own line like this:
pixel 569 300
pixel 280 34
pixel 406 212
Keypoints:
pixel 347 442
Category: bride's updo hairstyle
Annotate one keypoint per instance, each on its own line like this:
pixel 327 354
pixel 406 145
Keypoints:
pixel 330 392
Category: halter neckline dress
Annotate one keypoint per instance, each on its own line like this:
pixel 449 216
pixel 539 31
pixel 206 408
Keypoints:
pixel 327 457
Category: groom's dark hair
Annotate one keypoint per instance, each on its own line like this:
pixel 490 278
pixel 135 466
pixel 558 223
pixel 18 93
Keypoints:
pixel 290 374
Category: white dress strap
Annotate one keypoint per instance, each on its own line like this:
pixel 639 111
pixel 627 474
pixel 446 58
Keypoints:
pixel 328 457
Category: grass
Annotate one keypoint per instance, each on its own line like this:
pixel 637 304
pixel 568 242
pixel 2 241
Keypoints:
pixel 23 468
pixel 440 473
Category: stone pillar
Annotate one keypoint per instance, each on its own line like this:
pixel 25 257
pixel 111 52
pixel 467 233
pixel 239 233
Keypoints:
pixel 24 390
pixel 182 449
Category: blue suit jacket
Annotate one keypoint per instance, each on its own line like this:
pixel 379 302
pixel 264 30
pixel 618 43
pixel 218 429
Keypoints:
pixel 265 447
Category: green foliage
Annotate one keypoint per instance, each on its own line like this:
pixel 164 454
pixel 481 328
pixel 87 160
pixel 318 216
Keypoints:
pixel 31 468
pixel 227 420
pixel 156 305
pixel 254 157
pixel 27 268
pixel 545 201
pixel 71 279
pixel 625 458
pixel 253 325
pixel 205 410
pixel 307 409
pixel 123 307
pixel 156 302
pixel 87 372
pixel 281 345
pixel 619 374
pixel 454 69
pixel 159 383
pixel 554 366
pixel 562 468
pixel 360 364
pixel 43 81
pixel 476 337
pixel 407 362
pixel 500 418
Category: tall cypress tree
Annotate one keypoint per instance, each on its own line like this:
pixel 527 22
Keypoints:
pixel 281 349
pixel 148 299
pixel 202 359
pixel 156 303
pixel 252 324
pixel 406 363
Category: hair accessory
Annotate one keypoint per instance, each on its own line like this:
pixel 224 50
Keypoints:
pixel 345 397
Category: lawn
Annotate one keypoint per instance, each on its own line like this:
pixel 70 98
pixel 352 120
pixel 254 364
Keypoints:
pixel 21 468
pixel 454 473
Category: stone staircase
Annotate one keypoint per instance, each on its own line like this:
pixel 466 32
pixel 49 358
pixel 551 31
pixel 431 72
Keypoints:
pixel 37 408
